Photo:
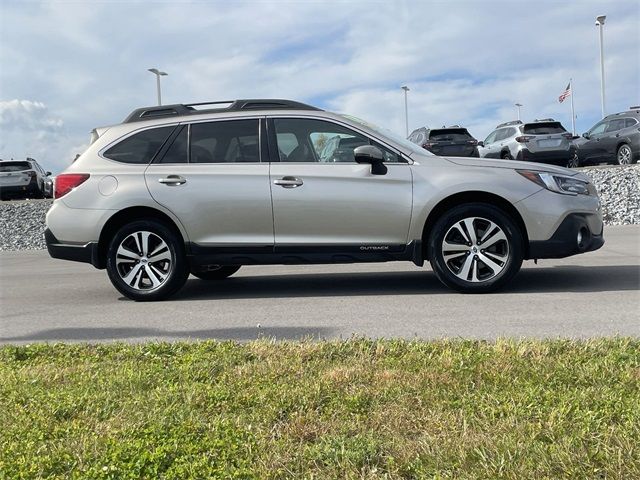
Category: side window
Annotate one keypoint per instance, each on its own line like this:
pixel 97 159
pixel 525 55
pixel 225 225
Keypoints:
pixel 306 140
pixel 629 122
pixel 599 128
pixel 615 125
pixel 491 138
pixel 141 147
pixel 232 141
pixel 178 152
pixel 502 134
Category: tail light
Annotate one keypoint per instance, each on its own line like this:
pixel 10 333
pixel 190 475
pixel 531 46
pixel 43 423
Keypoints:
pixel 568 136
pixel 427 145
pixel 66 182
pixel 31 173
pixel 472 142
pixel 523 139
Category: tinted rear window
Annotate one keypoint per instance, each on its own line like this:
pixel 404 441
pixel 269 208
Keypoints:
pixel 450 135
pixel 141 147
pixel 546 128
pixel 14 166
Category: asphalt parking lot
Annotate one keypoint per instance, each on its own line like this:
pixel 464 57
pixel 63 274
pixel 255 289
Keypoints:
pixel 591 295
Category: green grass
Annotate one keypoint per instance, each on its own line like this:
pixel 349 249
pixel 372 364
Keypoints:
pixel 353 409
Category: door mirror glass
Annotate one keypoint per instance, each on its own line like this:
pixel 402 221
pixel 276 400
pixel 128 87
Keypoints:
pixel 481 143
pixel 372 155
pixel 47 173
pixel 586 135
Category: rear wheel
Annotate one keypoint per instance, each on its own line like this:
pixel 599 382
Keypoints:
pixel 506 156
pixel 624 155
pixel 217 273
pixel 146 261
pixel 475 248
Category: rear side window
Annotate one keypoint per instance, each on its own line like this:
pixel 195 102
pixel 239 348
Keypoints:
pixel 178 152
pixel 141 147
pixel 615 125
pixel 543 128
pixel 629 122
pixel 233 141
pixel 450 135
pixel 14 166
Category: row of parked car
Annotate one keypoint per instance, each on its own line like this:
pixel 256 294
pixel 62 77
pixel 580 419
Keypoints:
pixel 24 179
pixel 615 139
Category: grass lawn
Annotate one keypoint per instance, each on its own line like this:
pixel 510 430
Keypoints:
pixel 352 409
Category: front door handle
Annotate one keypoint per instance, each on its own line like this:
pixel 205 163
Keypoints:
pixel 288 182
pixel 173 180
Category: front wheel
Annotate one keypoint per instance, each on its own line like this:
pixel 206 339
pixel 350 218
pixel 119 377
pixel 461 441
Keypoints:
pixel 475 248
pixel 217 273
pixel 574 162
pixel 146 261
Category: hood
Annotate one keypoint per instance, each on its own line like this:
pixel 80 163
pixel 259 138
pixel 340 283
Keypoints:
pixel 511 164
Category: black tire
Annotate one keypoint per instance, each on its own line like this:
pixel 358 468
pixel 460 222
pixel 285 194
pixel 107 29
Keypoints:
pixel 574 162
pixel 219 273
pixel 620 155
pixel 175 268
pixel 448 226
pixel 506 156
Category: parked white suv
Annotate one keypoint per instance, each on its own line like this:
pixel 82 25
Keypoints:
pixel 206 188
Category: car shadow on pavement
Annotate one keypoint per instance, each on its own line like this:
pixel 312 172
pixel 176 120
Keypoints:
pixel 529 280
pixel 89 334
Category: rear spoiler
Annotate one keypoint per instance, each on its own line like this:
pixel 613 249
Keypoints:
pixel 96 133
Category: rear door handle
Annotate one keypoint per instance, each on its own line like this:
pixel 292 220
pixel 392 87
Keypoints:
pixel 173 180
pixel 288 182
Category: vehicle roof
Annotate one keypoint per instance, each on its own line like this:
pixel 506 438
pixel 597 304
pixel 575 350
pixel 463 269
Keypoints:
pixel 633 111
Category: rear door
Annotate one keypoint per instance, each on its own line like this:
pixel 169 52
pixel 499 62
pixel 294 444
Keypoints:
pixel 324 200
pixel 609 141
pixel 212 178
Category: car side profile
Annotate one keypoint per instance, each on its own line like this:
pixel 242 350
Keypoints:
pixel 204 189
pixel 23 178
pixel 614 139
pixel 543 141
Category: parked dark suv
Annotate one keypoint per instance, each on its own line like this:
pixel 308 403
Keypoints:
pixel 614 139
pixel 453 141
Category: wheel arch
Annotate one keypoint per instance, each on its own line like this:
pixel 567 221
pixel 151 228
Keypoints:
pixel 125 216
pixel 472 197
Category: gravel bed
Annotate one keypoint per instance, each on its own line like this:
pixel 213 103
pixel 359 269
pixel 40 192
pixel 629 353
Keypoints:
pixel 22 222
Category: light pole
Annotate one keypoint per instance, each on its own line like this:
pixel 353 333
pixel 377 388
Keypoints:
pixel 600 23
pixel 406 110
pixel 518 105
pixel 158 74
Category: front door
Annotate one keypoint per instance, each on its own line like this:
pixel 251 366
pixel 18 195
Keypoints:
pixel 211 177
pixel 322 197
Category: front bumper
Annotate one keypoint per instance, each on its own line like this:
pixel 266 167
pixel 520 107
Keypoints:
pixel 564 242
pixel 87 253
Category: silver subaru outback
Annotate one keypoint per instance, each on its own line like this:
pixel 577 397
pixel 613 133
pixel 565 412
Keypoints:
pixel 203 189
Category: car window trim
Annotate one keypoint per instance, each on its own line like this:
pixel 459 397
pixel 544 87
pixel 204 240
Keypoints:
pixel 135 132
pixel 273 142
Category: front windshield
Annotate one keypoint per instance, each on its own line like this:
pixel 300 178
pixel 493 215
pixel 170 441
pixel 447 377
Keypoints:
pixel 409 145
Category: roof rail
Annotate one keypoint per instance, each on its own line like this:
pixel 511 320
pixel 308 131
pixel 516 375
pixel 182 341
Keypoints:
pixel 148 113
pixel 635 107
pixel 507 124
pixel 544 120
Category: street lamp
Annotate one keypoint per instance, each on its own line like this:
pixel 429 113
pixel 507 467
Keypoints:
pixel 518 105
pixel 406 110
pixel 600 23
pixel 158 74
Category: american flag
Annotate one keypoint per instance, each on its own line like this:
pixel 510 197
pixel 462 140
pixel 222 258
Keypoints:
pixel 565 94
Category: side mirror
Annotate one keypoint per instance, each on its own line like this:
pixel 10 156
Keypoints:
pixel 47 174
pixel 481 144
pixel 372 155
pixel 585 135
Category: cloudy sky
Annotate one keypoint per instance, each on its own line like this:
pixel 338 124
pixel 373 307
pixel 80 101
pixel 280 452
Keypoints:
pixel 69 66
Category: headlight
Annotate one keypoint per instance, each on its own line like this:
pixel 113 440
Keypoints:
pixel 559 183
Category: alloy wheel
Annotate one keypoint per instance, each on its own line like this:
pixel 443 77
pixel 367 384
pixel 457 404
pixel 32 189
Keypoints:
pixel 144 261
pixel 624 155
pixel 475 249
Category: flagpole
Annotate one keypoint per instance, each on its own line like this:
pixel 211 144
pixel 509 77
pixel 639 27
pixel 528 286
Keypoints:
pixel 573 113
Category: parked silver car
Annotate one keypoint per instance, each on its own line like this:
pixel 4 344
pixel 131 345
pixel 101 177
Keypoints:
pixel 23 178
pixel 543 141
pixel 182 189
